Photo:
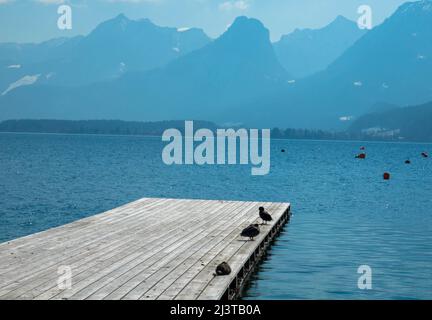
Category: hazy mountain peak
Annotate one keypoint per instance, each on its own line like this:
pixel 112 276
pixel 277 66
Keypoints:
pixel 120 20
pixel 245 44
pixel 244 28
pixel 122 23
pixel 121 17
pixel 341 20
pixel 246 22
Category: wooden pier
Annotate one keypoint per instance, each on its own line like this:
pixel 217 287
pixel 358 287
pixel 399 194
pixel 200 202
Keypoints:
pixel 149 249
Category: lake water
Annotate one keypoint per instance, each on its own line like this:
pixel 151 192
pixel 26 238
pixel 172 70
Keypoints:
pixel 345 214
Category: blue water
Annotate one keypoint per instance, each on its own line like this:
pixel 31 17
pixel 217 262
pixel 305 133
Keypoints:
pixel 345 214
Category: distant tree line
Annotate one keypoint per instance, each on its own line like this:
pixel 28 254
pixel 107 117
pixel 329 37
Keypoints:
pixel 117 127
pixel 110 127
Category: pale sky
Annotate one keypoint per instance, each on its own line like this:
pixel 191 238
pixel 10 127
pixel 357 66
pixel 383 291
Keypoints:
pixel 36 20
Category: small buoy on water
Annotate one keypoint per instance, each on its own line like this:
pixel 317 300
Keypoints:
pixel 361 156
pixel 408 162
pixel 425 155
pixel 283 150
pixel 387 176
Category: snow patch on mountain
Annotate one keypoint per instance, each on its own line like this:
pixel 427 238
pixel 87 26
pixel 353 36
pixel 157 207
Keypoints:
pixel 184 29
pixel 24 81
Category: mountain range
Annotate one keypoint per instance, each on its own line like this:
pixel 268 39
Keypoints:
pixel 115 47
pixel 134 70
pixel 308 51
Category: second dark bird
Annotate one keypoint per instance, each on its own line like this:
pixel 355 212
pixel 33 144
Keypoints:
pixel 265 216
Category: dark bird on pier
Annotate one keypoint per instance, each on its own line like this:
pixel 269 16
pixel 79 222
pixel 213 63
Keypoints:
pixel 251 232
pixel 223 269
pixel 264 215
